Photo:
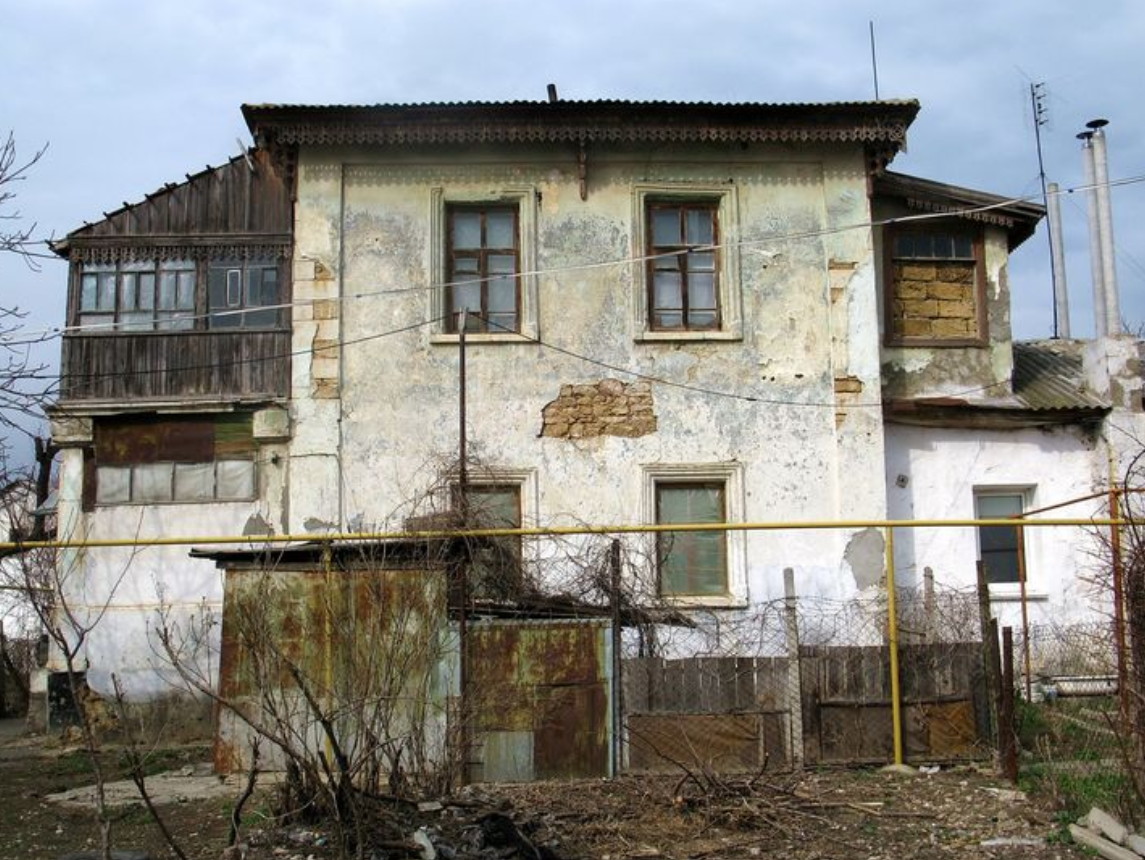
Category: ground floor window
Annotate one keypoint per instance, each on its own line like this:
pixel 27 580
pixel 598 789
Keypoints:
pixel 691 563
pixel 998 546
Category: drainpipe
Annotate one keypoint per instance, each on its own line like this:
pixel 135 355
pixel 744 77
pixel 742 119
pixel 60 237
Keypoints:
pixel 1096 268
pixel 1061 296
pixel 1105 222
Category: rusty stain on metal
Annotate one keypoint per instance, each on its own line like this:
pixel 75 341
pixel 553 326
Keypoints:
pixel 549 679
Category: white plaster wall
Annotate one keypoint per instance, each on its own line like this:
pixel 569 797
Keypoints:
pixel 118 592
pixel 941 468
pixel 399 393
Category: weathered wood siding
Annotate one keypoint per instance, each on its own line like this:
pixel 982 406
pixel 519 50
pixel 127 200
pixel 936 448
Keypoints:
pixel 173 365
pixel 226 200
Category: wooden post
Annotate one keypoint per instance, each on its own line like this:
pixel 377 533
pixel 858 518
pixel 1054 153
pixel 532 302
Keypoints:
pixel 794 676
pixel 1007 738
pixel 989 643
pixel 617 666
pixel 928 603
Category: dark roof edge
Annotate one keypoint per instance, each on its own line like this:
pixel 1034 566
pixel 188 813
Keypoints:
pixel 1019 217
pixel 877 122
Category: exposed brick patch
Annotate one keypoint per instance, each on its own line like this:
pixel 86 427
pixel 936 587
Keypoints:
pixel 935 300
pixel 848 385
pixel 606 408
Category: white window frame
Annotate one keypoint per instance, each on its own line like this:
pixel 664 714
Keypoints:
pixel 726 199
pixel 731 475
pixel 524 197
pixel 1008 590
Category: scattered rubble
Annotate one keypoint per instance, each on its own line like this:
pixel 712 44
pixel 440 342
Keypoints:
pixel 1101 832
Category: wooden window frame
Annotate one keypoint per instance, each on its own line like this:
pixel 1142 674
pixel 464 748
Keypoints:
pixel 978 245
pixel 200 314
pixel 683 253
pixel 729 475
pixel 724 198
pixel 244 266
pixel 663 552
pixel 482 254
pixel 115 324
pixel 1022 494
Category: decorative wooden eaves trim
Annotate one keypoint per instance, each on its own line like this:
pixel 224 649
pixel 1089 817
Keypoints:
pixel 113 249
pixel 987 217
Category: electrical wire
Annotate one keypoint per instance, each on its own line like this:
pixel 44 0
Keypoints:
pixel 57 331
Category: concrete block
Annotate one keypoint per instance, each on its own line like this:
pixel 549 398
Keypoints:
pixel 1135 843
pixel 1109 850
pixel 272 425
pixel 1107 825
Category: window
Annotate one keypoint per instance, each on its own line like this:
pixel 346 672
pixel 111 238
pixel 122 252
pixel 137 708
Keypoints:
pixel 495 562
pixel 150 459
pixel 689 287
pixel 244 294
pixel 698 567
pixel 691 563
pixel 485 242
pixel 683 275
pixel 483 263
pixel 936 292
pixel 135 296
pixel 998 546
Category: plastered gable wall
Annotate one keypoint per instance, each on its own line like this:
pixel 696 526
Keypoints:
pixel 809 448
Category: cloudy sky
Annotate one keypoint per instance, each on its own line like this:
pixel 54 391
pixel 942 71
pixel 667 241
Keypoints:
pixel 131 95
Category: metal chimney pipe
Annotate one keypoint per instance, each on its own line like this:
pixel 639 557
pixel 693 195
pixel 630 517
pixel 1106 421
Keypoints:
pixel 1096 269
pixel 1061 295
pixel 1105 221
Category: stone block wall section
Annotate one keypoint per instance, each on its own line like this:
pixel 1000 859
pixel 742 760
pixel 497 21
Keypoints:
pixel 316 303
pixel 606 408
pixel 935 301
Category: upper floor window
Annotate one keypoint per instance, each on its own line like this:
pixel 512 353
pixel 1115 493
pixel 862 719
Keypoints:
pixel 243 294
pixel 178 295
pixel 689 285
pixel 936 291
pixel 144 295
pixel 683 269
pixel 483 262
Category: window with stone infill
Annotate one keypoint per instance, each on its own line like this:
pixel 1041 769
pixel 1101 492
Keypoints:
pixel 935 294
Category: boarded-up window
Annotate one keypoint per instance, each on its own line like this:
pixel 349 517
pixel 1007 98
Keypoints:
pixel 935 294
pixel 149 459
pixel 691 562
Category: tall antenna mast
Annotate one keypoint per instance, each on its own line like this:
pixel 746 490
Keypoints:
pixel 1041 117
pixel 874 59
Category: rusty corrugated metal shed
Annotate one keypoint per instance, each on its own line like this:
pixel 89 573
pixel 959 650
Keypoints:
pixel 1049 375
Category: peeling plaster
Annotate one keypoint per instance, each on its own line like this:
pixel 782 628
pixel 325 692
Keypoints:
pixel 865 554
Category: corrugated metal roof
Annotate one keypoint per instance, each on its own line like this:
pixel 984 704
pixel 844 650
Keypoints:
pixel 1049 375
pixel 882 123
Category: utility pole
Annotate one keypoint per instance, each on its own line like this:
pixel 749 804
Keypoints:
pixel 1057 278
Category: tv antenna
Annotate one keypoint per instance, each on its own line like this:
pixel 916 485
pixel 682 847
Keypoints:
pixel 1041 115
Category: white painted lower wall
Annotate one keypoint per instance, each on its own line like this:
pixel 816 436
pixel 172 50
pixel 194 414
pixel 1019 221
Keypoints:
pixel 933 473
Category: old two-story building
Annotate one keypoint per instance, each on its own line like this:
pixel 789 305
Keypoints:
pixel 673 313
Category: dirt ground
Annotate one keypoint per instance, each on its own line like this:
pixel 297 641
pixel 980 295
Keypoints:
pixel 955 813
